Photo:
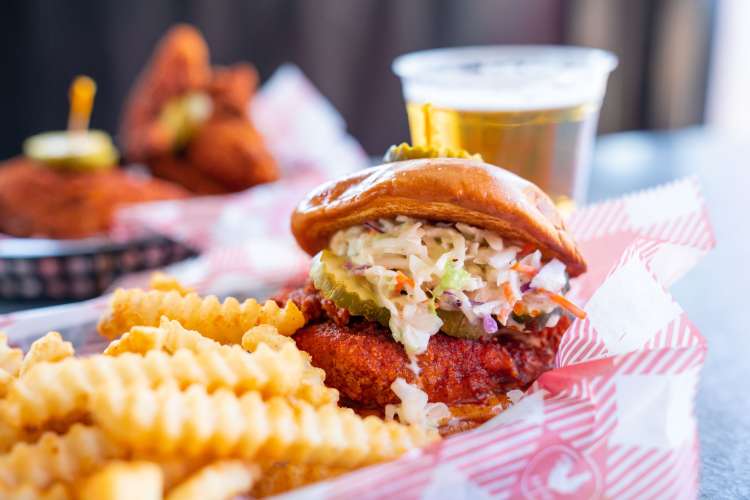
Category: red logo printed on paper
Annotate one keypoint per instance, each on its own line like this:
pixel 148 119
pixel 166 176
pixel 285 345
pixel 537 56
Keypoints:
pixel 560 472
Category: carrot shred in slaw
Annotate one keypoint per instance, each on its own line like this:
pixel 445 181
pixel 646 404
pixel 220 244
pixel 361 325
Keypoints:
pixel 524 268
pixel 403 280
pixel 565 304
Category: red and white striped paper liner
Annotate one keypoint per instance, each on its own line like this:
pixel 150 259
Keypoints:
pixel 613 420
pixel 573 435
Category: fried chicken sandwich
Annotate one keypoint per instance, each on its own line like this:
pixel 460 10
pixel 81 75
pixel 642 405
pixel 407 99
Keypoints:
pixel 437 287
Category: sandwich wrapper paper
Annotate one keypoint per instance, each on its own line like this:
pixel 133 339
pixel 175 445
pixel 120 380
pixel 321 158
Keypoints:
pixel 614 419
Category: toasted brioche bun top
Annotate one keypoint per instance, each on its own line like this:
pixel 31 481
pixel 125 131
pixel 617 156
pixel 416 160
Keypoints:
pixel 438 189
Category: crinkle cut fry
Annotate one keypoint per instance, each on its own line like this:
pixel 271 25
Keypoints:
pixel 170 336
pixel 282 477
pixel 217 481
pixel 11 435
pixel 5 380
pixel 224 322
pixel 123 480
pixel 264 334
pixel 59 391
pixel 50 348
pixel 165 283
pixel 176 470
pixel 28 492
pixel 313 379
pixel 167 421
pixel 10 357
pixel 57 458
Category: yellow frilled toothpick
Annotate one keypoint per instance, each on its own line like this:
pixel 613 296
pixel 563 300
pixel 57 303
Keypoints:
pixel 81 95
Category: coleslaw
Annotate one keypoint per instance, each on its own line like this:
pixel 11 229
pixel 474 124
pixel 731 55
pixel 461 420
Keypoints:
pixel 417 268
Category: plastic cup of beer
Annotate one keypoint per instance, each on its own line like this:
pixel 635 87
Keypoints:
pixel 530 109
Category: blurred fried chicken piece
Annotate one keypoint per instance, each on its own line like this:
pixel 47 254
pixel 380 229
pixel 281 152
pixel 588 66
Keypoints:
pixel 178 170
pixel 179 65
pixel 226 153
pixel 232 88
pixel 38 201
pixel 223 147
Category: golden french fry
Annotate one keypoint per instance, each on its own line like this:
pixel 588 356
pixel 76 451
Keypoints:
pixel 218 481
pixel 55 458
pixel 313 387
pixel 123 481
pixel 282 477
pixel 166 283
pixel 10 358
pixel 10 435
pixel 225 322
pixel 59 391
pixel 5 381
pixel 50 348
pixel 139 340
pixel 170 336
pixel 28 492
pixel 176 470
pixel 167 421
pixel 286 321
pixel 10 364
pixel 264 334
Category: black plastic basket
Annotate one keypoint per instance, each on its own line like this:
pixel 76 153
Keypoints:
pixel 78 269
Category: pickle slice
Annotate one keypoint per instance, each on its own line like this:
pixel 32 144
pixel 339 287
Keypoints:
pixel 184 115
pixel 456 324
pixel 80 151
pixel 353 293
pixel 406 152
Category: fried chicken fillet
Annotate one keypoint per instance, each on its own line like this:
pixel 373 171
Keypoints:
pixel 226 153
pixel 361 359
pixel 38 201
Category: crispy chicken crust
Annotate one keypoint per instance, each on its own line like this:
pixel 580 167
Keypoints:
pixel 361 359
pixel 37 201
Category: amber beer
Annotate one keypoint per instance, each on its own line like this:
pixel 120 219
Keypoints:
pixel 532 110
pixel 546 146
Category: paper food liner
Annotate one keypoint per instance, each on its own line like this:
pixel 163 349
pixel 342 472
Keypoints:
pixel 615 418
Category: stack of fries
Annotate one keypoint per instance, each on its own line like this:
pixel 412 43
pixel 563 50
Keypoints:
pixel 193 398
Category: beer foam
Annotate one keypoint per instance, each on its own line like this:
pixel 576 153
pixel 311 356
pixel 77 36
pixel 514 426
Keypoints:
pixel 512 78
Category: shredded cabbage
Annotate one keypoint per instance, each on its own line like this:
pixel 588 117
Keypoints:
pixel 417 267
pixel 414 408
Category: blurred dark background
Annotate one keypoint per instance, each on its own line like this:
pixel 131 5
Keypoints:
pixel 345 47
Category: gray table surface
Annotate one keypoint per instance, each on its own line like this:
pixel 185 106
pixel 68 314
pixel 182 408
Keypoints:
pixel 713 293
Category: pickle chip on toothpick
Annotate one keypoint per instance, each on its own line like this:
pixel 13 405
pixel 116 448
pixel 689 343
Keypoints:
pixel 77 148
pixel 84 150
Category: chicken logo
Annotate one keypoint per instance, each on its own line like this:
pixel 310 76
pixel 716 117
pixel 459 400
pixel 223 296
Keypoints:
pixel 560 479
pixel 560 472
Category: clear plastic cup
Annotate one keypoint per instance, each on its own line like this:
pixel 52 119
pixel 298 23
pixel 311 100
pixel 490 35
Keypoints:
pixel 530 109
